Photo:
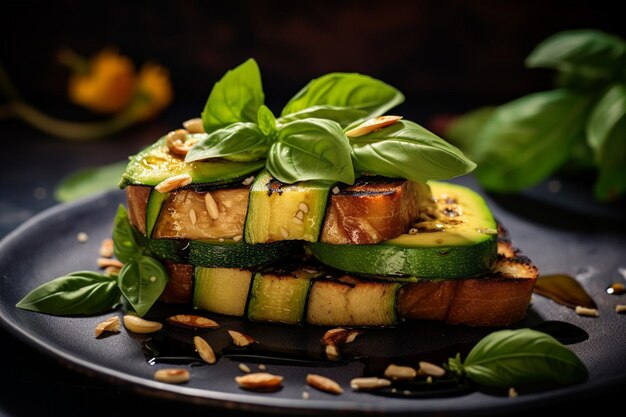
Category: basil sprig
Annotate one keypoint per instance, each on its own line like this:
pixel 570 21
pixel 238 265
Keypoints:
pixel 141 281
pixel 396 150
pixel 580 125
pixel 346 90
pixel 235 98
pixel 308 140
pixel 311 149
pixel 82 292
pixel 509 358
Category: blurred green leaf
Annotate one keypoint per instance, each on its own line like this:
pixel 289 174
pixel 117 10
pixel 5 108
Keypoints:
pixel 606 135
pixel 89 181
pixel 465 130
pixel 529 138
pixel 580 55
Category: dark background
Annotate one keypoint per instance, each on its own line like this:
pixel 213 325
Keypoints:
pixel 446 56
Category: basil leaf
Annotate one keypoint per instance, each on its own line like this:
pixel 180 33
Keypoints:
pixel 342 115
pixel 464 130
pixel 311 149
pixel 351 90
pixel 142 282
pixel 508 358
pixel 267 120
pixel 240 142
pixel 606 134
pixel 89 181
pixel 125 240
pixel 407 150
pixel 235 98
pixel 528 139
pixel 584 54
pixel 82 292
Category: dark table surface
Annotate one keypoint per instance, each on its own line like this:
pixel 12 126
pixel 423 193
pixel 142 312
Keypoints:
pixel 34 383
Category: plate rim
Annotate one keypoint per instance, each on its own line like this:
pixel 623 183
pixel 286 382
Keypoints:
pixel 248 402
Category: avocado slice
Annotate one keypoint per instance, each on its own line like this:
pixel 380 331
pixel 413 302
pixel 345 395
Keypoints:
pixel 278 211
pixel 156 163
pixel 456 238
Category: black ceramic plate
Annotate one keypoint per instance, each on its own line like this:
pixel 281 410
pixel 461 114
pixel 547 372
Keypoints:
pixel 46 247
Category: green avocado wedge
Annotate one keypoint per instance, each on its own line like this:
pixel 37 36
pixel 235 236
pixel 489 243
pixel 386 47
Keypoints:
pixel 457 238
pixel 155 164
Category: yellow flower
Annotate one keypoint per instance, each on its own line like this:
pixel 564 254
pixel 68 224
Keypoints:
pixel 153 91
pixel 107 86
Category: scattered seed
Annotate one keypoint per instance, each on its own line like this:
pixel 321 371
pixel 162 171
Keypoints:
pixel 237 238
pixel 194 125
pixel 284 232
pixel 305 395
pixel 261 381
pixel 106 262
pixel 204 350
pixel 310 271
pixel 368 383
pixel 335 190
pixel 413 231
pixel 173 183
pixel 112 324
pixel 427 368
pixel 244 368
pixel 429 379
pixel 584 311
pixel 300 215
pixel 193 321
pixel 396 372
pixel 193 217
pixel 138 325
pixel 620 308
pixel 221 239
pixel 297 220
pixel 262 367
pixel 82 237
pixel 323 383
pixel 303 207
pixel 211 206
pixel 172 375
pixel 106 248
pixel 371 125
pixel 339 336
pixel 512 393
pixel 248 180
pixel 240 339
pixel 332 352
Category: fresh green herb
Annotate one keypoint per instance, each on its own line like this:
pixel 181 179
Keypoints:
pixel 606 133
pixel 235 98
pixel 396 150
pixel 239 142
pixel 511 157
pixel 353 91
pixel 82 292
pixel 142 282
pixel 126 242
pixel 89 181
pixel 509 358
pixel 311 149
pixel 575 127
pixel 267 120
pixel 342 115
pixel 581 54
pixel 307 141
